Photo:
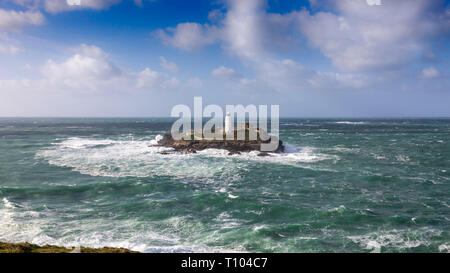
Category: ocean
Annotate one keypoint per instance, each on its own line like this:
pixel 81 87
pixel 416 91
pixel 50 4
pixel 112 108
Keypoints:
pixel 343 185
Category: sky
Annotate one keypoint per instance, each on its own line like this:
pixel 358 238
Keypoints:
pixel 139 58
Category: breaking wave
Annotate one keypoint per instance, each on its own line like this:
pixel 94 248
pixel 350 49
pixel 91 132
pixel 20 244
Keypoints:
pixel 25 225
pixel 396 239
pixel 350 122
pixel 143 158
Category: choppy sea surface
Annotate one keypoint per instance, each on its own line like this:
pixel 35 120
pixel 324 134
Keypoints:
pixel 344 185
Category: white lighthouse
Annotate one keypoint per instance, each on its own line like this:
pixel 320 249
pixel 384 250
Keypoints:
pixel 228 129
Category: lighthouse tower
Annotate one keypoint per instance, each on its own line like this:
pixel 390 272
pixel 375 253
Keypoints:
pixel 228 129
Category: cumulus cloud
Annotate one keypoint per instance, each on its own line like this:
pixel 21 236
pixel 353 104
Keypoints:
pixel 430 73
pixel 153 79
pixel 245 30
pixel 9 49
pixel 236 79
pixel 89 63
pixel 188 36
pixel 55 6
pixel 215 15
pixel 225 72
pixel 90 70
pixel 249 32
pixel 360 37
pixel 11 20
pixel 288 75
pixel 356 35
pixel 369 44
pixel 169 66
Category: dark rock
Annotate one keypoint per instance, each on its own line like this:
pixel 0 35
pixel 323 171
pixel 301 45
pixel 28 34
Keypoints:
pixel 233 146
pixel 32 248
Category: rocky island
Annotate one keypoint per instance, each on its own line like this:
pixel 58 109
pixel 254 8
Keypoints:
pixel 189 144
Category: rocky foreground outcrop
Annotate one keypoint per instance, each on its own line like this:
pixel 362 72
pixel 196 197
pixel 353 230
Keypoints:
pixel 191 145
pixel 31 248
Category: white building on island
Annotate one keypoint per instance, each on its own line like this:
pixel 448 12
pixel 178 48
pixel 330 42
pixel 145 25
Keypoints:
pixel 228 127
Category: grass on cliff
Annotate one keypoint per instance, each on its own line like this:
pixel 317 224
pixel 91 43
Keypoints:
pixel 31 248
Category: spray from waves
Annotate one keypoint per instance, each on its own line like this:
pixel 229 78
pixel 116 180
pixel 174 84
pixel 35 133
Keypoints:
pixel 351 122
pixel 143 158
pixel 395 239
pixel 19 224
pixel 292 156
pixel 119 158
pixel 7 203
pixel 12 230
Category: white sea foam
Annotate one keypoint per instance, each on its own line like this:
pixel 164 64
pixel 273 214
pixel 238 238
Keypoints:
pixel 292 155
pixel 378 157
pixel 232 196
pixel 444 248
pixel 142 158
pixel 226 221
pixel 39 228
pixel 402 158
pixel 13 230
pixel 81 143
pixel 259 227
pixel 116 158
pixel 339 209
pixel 8 203
pixel 398 239
pixel 350 122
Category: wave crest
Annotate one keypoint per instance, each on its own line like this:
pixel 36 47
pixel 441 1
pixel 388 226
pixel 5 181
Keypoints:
pixel 143 158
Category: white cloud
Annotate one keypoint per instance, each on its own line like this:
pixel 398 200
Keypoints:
pixel 188 36
pixel 9 49
pixel 374 2
pixel 430 73
pixel 11 20
pixel 225 72
pixel 155 80
pixel 245 30
pixel 55 6
pixel 91 71
pixel 288 75
pixel 215 15
pixel 90 63
pixel 244 26
pixel 357 35
pixel 169 66
pixel 360 37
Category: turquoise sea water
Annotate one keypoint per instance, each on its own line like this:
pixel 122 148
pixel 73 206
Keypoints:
pixel 343 186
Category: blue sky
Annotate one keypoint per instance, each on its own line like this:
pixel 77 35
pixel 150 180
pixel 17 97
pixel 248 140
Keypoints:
pixel 316 58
